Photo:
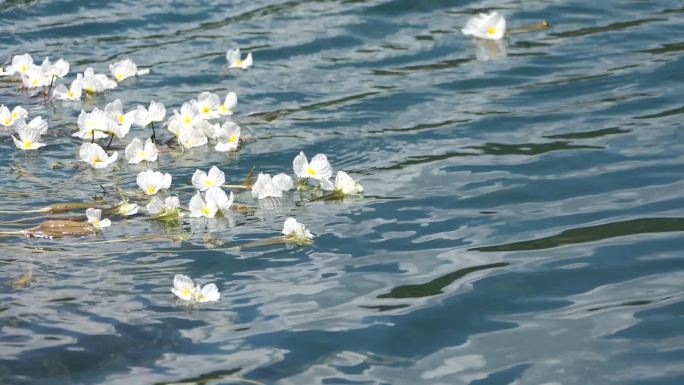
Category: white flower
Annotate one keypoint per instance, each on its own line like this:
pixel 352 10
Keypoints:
pixel 207 104
pixel 192 138
pixel 153 181
pixel 185 289
pixel 35 77
pixel 21 63
pixel 228 137
pixel 295 230
pixel 199 208
pixel 126 209
pixel 228 104
pixel 95 156
pixel 185 120
pixel 264 187
pixel 343 183
pixel 92 123
pixel 94 216
pixel 283 181
pixel 220 199
pixel 318 169
pixel 72 93
pixel 136 152
pixel 29 137
pixel 37 123
pixel 125 69
pixel 144 116
pixel 8 118
pixel 8 71
pixel 59 69
pixel 490 26
pixel 123 122
pixel 235 61
pixel 203 181
pixel 159 207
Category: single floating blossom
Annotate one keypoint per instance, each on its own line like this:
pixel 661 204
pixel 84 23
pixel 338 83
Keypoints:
pixel 8 118
pixel 74 92
pixel 59 69
pixel 21 63
pixel 185 120
pixel 169 208
pixel 93 123
pixel 318 169
pixel 490 26
pixel 125 69
pixel 35 77
pixel 29 137
pixel 343 184
pixel 203 181
pixel 227 137
pixel 228 105
pixel 95 156
pixel 153 181
pixel 94 218
pixel 266 187
pixel 296 232
pixel 143 117
pixel 185 289
pixel 220 199
pixel 137 152
pixel 207 104
pixel 235 61
pixel 194 137
pixel 202 208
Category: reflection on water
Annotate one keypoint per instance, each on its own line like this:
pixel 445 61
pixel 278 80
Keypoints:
pixel 521 223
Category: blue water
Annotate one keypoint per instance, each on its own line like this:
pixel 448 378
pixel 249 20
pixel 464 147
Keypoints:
pixel 521 223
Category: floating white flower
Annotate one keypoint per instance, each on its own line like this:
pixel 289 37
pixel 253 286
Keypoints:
pixel 228 105
pixel 92 82
pixel 343 183
pixel 94 218
pixel 137 152
pixel 38 124
pixel 490 26
pixel 318 169
pixel 35 77
pixel 203 181
pixel 7 117
pixel 227 137
pixel 74 92
pixel 29 138
pixel 283 181
pixel 296 232
pixel 93 123
pixel 220 199
pixel 207 104
pixel 235 61
pixel 194 137
pixel 201 208
pixel 145 116
pixel 126 208
pixel 95 156
pixel 59 69
pixel 21 63
pixel 153 181
pixel 125 69
pixel 185 120
pixel 170 205
pixel 265 188
pixel 185 289
pixel 114 112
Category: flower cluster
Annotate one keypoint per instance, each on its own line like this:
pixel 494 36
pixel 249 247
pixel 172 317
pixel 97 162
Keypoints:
pixel 27 134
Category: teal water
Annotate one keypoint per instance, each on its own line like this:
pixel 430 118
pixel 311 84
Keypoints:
pixel 521 223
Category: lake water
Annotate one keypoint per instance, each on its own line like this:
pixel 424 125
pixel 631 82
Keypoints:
pixel 521 222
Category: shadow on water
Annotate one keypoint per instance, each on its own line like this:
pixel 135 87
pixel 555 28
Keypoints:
pixel 593 233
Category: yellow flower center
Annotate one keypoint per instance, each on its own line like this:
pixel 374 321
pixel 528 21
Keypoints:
pixel 120 118
pixel 310 171
pixel 96 222
pixel 208 182
pixel 95 159
pixel 70 94
pixel 89 90
pixel 187 119
pixel 24 68
pixel 119 76
pixel 232 139
pixel 151 190
pixel 14 114
pixel 142 154
pixel 205 109
pixel 491 30
pixel 205 210
pixel 7 121
pixel 34 82
pixel 185 291
pixel 238 62
pixel 224 108
pixel 28 143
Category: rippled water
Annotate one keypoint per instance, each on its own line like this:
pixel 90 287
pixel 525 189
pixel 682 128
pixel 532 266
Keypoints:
pixel 521 224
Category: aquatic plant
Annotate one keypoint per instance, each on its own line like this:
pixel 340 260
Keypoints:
pixel 488 26
pixel 235 60
pixel 185 289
